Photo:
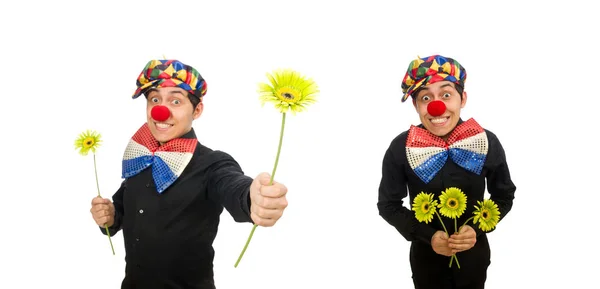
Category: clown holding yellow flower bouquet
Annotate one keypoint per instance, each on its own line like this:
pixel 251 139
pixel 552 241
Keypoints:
pixel 444 165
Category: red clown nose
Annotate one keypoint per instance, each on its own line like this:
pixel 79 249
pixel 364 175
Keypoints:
pixel 436 108
pixel 160 113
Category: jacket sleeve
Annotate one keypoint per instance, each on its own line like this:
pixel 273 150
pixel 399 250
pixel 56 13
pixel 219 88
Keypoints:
pixel 392 191
pixel 499 183
pixel 228 186
pixel 118 203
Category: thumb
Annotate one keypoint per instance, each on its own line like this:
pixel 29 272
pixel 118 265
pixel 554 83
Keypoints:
pixel 100 200
pixel 264 179
pixel 464 228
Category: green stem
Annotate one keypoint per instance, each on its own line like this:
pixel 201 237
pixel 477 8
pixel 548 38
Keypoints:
pixel 454 256
pixel 245 246
pixel 278 148
pixel 270 183
pixel 98 187
pixel 469 219
pixel 96 173
pixel 444 226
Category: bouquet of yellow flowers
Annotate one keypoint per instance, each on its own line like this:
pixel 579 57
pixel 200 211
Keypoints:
pixel 452 204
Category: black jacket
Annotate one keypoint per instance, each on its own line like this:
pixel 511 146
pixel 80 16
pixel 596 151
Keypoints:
pixel 168 237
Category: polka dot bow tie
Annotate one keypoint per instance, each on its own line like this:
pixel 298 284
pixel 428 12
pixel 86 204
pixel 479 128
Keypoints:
pixel 167 161
pixel 467 146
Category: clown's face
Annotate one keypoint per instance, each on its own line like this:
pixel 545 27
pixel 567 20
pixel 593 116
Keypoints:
pixel 177 110
pixel 444 91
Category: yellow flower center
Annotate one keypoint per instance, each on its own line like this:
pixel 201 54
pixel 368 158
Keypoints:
pixel 485 214
pixel 288 94
pixel 425 207
pixel 88 142
pixel 452 203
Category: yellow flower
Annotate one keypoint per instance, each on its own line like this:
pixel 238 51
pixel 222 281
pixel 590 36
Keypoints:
pixel 88 140
pixel 487 214
pixel 453 203
pixel 288 90
pixel 424 207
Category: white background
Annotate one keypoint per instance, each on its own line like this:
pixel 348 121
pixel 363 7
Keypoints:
pixel 71 66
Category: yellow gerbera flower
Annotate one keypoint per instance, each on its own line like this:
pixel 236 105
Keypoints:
pixel 453 203
pixel 88 141
pixel 288 90
pixel 487 214
pixel 424 206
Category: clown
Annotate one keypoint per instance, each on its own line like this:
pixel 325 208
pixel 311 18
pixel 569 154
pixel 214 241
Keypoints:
pixel 175 188
pixel 443 151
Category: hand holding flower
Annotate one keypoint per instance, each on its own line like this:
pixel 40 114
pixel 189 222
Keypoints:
pixel 439 244
pixel 464 240
pixel 90 141
pixel 103 212
pixel 267 201
pixel 288 90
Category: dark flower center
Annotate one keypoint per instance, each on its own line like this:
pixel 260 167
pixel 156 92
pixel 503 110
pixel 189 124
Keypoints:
pixel 89 142
pixel 484 214
pixel 288 95
pixel 426 207
pixel 452 203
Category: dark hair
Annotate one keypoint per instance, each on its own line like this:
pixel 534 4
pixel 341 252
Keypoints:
pixel 196 100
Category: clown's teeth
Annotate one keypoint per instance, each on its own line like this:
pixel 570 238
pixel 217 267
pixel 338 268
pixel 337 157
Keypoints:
pixel 163 125
pixel 439 120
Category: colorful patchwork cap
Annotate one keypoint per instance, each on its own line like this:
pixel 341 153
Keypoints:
pixel 170 73
pixel 431 69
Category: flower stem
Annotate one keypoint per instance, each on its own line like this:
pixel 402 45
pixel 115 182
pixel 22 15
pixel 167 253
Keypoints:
pixel 278 148
pixel 454 256
pixel 270 183
pixel 469 219
pixel 245 246
pixel 444 226
pixel 98 186
pixel 96 173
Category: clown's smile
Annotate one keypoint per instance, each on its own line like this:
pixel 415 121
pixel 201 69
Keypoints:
pixel 162 126
pixel 439 121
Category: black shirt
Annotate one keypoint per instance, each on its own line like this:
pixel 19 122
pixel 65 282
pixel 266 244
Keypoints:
pixel 399 180
pixel 168 237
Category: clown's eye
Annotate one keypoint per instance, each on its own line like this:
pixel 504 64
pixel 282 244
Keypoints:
pixel 447 95
pixel 176 101
pixel 425 98
pixel 155 99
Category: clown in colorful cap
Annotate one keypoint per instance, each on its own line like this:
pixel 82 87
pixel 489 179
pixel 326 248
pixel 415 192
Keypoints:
pixel 175 188
pixel 168 86
pixel 443 155
pixel 436 75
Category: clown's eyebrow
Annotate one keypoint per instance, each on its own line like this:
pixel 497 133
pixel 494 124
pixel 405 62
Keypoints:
pixel 447 84
pixel 176 91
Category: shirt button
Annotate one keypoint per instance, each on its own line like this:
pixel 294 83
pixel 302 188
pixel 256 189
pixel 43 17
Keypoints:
pixel 141 211
pixel 147 185
pixel 137 239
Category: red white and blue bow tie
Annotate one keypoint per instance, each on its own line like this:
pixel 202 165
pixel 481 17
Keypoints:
pixel 467 146
pixel 168 161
